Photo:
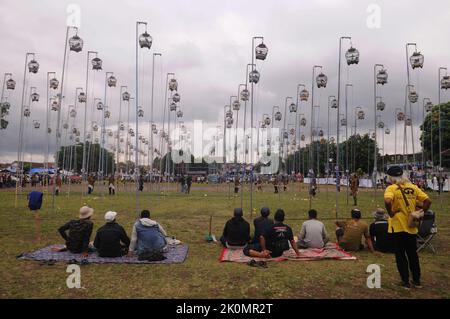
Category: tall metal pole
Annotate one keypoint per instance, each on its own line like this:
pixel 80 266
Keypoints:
pixel 440 128
pixel 118 128
pixel 375 169
pixel 311 156
pixel 151 117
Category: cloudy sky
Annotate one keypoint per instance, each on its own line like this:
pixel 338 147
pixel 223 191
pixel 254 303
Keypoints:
pixel 207 44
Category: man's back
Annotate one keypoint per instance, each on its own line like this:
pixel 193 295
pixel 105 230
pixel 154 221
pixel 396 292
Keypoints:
pixel 108 240
pixel 237 231
pixel 261 224
pixel 380 236
pixel 354 230
pixel 313 233
pixel 277 238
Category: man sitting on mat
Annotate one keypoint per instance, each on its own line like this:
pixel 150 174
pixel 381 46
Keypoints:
pixel 349 233
pixel 313 233
pixel 261 224
pixel 111 239
pixel 80 230
pixel 274 241
pixel 236 233
pixel 147 236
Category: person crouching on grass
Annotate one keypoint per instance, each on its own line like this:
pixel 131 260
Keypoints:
pixel 400 200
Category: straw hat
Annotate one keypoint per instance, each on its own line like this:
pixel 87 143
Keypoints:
pixel 86 212
pixel 380 214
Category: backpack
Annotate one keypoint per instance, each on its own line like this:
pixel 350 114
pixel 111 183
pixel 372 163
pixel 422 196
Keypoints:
pixel 151 255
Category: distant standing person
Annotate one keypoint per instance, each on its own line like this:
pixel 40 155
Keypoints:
pixel 112 188
pixel 91 182
pixel 188 184
pixel 236 185
pixel 58 183
pixel 400 200
pixel 183 184
pixel 354 185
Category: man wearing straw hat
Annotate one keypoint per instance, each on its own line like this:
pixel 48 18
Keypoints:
pixel 80 230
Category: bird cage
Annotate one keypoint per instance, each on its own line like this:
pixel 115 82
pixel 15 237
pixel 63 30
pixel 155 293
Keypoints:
pixel 96 63
pixel 173 106
pixel 26 112
pixel 107 114
pixel 140 112
pixel 245 95
pixel 382 77
pixel 176 97
pixel 95 127
pixel 416 60
pixel 408 122
pixel 304 95
pixel 10 84
pixel 261 52
pixel 381 106
pixel 229 114
pixel 285 135
pixel 130 130
pixel 253 76
pixel 334 104
pixel 229 125
pixel 121 126
pixel 65 126
pixel 332 139
pixel 302 137
pixel 77 140
pixel 73 113
pixel 55 105
pixel 76 43
pixel 125 96
pixel 293 108
pixel 145 40
pixel 236 105
pixel 121 140
pixel 387 131
pixel 100 105
pixel 344 122
pixel 428 106
pixel 314 132
pixel 78 133
pixel 179 113
pixel 321 133
pixel 82 97
pixel 183 129
pixel 5 105
pixel 36 124
pixel 361 115
pixel 112 81
pixel 33 66
pixel 132 134
pixel 54 83
pixel 303 121
pixel 445 82
pixel 413 96
pixel 267 120
pixel 352 56
pixel 374 135
pixel 230 120
pixel 49 130
pixel 140 138
pixel 262 124
pixel 74 130
pixel 321 80
pixel 34 97
pixel 88 136
pixel 381 124
pixel 278 116
pixel 173 85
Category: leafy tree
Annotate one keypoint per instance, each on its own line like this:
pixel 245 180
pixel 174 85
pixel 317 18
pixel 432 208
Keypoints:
pixel 75 153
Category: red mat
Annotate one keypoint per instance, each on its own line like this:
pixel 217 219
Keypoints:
pixel 330 251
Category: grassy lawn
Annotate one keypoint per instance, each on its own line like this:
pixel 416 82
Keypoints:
pixel 201 276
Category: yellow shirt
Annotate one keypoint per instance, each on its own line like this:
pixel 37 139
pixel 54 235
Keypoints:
pixel 399 223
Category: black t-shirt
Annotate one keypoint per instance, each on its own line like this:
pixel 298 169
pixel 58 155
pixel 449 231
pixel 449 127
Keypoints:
pixel 237 231
pixel 261 224
pixel 109 240
pixel 277 238
pixel 380 237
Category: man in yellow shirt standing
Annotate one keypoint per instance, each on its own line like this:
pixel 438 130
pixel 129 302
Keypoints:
pixel 400 200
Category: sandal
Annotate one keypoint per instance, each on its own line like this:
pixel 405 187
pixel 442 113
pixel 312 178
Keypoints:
pixel 252 263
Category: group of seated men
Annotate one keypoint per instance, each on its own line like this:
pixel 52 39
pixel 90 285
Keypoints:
pixel 273 237
pixel 111 240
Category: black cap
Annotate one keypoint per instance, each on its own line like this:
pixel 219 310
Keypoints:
pixel 395 171
pixel 238 212
pixel 265 211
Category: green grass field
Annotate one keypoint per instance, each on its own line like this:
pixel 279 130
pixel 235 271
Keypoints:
pixel 202 276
